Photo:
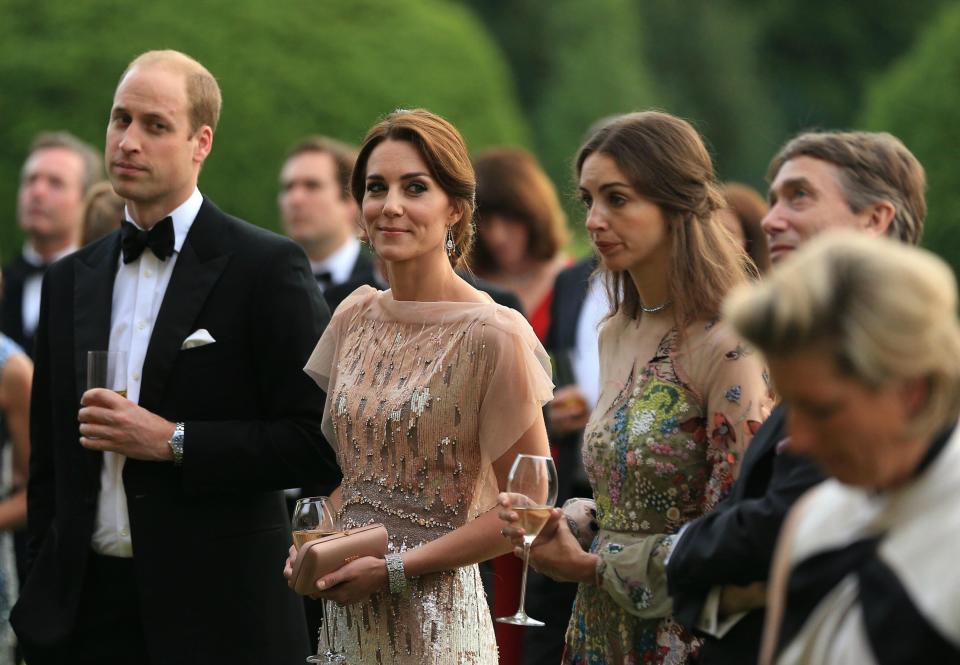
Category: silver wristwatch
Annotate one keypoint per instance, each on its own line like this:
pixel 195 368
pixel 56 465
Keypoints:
pixel 176 445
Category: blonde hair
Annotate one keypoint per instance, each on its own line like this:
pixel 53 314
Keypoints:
pixel 665 160
pixel 203 91
pixel 884 310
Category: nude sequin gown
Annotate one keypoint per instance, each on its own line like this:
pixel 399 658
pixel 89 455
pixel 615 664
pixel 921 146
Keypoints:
pixel 421 399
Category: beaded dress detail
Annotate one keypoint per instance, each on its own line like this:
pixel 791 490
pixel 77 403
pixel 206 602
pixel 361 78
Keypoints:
pixel 421 399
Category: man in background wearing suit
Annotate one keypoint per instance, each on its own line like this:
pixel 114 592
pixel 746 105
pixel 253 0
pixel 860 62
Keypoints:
pixel 157 524
pixel 866 181
pixel 59 171
pixel 319 213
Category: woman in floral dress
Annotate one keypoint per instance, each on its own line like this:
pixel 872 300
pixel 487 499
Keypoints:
pixel 680 397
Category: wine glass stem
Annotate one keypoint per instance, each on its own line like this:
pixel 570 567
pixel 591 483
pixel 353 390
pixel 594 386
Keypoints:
pixel 326 625
pixel 523 583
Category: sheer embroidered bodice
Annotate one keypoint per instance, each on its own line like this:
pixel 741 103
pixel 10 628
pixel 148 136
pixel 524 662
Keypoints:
pixel 421 399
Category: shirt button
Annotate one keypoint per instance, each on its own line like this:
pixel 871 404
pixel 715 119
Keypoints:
pixel 141 324
pixel 124 533
pixel 148 273
pixel 136 376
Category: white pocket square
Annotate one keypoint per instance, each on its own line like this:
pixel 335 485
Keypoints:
pixel 199 338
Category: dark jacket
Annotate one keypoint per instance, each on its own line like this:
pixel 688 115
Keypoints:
pixel 210 536
pixel 734 544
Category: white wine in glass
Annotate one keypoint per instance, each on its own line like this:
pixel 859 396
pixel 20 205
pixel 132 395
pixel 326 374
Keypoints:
pixel 314 518
pixel 532 484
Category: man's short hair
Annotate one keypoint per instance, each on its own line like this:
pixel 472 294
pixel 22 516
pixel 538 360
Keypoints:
pixel 344 156
pixel 90 158
pixel 203 91
pixel 874 167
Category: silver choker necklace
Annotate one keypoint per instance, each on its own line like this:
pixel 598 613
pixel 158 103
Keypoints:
pixel 654 310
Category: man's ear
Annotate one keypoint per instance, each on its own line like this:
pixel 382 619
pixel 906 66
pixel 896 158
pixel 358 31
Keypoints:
pixel 204 144
pixel 880 217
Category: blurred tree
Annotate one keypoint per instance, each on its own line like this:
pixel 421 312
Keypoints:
pixel 816 56
pixel 286 70
pixel 918 100
pixel 702 56
pixel 575 63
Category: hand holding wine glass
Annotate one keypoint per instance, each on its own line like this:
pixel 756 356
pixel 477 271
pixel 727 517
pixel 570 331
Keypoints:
pixel 532 484
pixel 314 518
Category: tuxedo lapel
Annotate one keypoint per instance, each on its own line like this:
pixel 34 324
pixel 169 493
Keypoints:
pixel 199 265
pixel 93 278
pixel 92 304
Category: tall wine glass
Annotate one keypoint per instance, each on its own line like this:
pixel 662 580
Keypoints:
pixel 107 369
pixel 313 518
pixel 532 484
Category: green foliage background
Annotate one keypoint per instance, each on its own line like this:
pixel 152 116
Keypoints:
pixel 537 73
pixel 286 69
pixel 918 100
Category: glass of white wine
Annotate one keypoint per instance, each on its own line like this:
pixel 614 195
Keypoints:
pixel 315 517
pixel 107 369
pixel 532 484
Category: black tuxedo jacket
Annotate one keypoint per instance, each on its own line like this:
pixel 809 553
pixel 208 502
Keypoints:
pixel 210 536
pixel 15 274
pixel 734 544
pixel 569 294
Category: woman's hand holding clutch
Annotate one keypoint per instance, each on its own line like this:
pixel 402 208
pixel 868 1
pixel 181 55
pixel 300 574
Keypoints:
pixel 354 582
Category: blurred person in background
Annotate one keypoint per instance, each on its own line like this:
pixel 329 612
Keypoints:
pixel 521 235
pixel 742 218
pixel 102 212
pixel 448 387
pixel 59 171
pixel 16 373
pixel 521 230
pixel 680 397
pixel 863 343
pixel 818 181
pixel 318 212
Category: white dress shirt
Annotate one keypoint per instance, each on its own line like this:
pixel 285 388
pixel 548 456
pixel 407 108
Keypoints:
pixel 137 294
pixel 340 263
pixel 30 308
pixel 585 357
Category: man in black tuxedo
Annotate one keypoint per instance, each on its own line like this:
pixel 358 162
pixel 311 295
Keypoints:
pixel 56 177
pixel 158 529
pixel 319 213
pixel 720 562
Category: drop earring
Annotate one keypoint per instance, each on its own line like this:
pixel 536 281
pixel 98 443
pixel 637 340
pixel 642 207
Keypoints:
pixel 450 245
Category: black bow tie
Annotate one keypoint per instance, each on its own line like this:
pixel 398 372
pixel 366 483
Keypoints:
pixel 159 239
pixel 324 279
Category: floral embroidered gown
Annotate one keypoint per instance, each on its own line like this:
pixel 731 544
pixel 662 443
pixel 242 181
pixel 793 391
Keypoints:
pixel 422 398
pixel 661 448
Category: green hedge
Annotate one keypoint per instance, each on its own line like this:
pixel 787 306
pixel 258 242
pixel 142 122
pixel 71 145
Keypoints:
pixel 287 69
pixel 918 100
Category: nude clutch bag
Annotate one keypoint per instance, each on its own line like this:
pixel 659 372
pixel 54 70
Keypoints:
pixel 325 555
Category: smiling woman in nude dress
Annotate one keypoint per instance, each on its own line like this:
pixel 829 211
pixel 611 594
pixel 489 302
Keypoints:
pixel 432 391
